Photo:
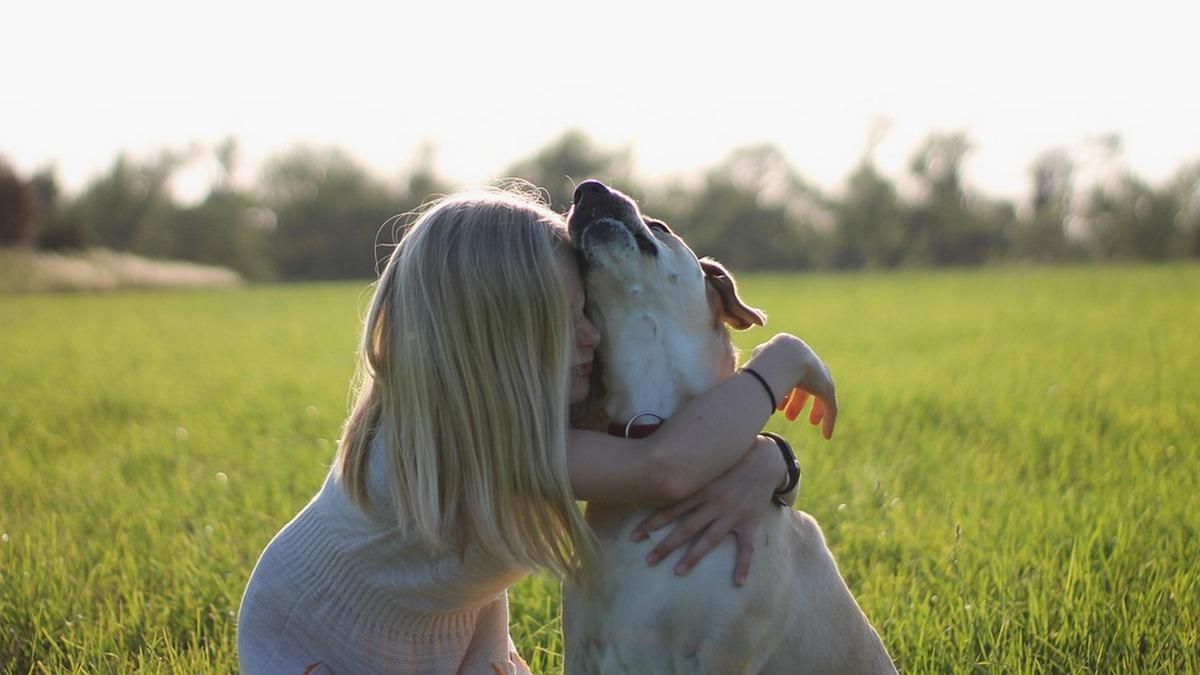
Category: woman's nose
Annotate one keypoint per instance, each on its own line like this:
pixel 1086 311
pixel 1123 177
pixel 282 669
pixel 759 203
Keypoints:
pixel 588 336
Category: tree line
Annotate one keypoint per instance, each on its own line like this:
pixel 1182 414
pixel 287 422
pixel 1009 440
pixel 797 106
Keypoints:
pixel 317 213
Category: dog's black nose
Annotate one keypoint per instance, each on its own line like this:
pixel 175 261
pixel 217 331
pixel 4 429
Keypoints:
pixel 592 188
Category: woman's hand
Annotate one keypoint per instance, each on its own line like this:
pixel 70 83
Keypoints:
pixel 730 504
pixel 791 366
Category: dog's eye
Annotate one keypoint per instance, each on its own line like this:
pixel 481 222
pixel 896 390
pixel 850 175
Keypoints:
pixel 658 225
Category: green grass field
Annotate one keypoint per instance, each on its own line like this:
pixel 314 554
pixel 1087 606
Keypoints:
pixel 1013 486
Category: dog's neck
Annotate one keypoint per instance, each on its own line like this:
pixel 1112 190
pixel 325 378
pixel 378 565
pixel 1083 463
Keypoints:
pixel 653 365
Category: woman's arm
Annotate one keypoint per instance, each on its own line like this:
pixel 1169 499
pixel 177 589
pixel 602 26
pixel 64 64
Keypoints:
pixel 732 503
pixel 706 436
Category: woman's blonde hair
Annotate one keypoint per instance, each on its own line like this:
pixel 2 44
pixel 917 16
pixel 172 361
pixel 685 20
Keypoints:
pixel 464 373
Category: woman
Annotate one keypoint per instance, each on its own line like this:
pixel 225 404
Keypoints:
pixel 457 474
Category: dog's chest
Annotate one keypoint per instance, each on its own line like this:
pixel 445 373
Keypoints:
pixel 649 369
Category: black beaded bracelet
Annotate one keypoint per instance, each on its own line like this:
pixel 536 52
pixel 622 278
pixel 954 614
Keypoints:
pixel 766 387
pixel 793 467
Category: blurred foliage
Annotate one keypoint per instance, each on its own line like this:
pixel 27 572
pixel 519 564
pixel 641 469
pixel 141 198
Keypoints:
pixel 870 230
pixel 227 229
pixel 316 213
pixel 327 209
pixel 1184 188
pixel 18 209
pixel 754 211
pixel 569 160
pixel 1043 235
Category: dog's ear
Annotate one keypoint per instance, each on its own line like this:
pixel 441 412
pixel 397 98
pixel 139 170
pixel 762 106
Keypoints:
pixel 736 313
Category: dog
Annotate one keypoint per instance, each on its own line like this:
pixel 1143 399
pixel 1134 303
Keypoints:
pixel 663 317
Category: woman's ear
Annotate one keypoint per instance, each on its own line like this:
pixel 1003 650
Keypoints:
pixel 733 310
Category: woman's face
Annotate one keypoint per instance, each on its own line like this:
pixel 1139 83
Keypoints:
pixel 586 335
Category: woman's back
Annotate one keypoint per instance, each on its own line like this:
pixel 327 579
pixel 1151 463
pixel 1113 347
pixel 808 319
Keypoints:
pixel 349 590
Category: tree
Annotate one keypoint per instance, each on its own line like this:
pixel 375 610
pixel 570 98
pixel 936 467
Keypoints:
pixel 19 210
pixel 228 154
pixel 1043 235
pixel 131 207
pixel 328 211
pixel 1133 221
pixel 1125 217
pixel 1184 188
pixel 228 229
pixel 755 212
pixel 869 227
pixel 942 228
pixel 422 178
pixel 55 231
pixel 570 159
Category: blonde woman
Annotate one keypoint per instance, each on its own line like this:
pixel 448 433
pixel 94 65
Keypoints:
pixel 457 473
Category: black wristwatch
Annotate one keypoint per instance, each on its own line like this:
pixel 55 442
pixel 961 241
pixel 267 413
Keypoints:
pixel 793 468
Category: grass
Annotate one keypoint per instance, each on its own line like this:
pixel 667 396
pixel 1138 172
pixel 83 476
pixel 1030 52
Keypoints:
pixel 1012 486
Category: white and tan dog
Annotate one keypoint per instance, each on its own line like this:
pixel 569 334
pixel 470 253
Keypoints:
pixel 662 315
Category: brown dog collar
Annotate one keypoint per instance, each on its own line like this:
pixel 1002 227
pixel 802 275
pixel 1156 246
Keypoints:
pixel 631 430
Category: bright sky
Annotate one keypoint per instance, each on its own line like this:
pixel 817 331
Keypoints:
pixel 680 83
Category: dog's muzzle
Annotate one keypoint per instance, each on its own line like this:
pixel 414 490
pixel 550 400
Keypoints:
pixel 600 218
pixel 604 231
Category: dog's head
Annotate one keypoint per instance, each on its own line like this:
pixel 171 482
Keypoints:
pixel 661 312
pixel 632 261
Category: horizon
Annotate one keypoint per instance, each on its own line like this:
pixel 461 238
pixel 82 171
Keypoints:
pixel 485 89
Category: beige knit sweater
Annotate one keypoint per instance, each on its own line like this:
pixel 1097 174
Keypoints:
pixel 343 591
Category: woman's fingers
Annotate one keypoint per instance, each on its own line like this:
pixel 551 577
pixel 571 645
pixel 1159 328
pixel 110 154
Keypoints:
pixel 817 412
pixel 829 420
pixel 707 542
pixel 797 397
pixel 818 385
pixel 823 412
pixel 683 532
pixel 662 517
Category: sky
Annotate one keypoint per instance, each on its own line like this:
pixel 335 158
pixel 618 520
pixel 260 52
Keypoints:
pixel 680 84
